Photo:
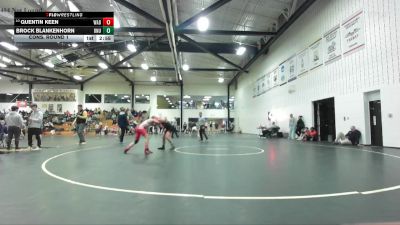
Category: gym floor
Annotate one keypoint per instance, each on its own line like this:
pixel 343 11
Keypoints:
pixel 230 179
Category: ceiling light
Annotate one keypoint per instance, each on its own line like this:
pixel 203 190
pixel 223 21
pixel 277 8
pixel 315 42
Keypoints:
pixel 103 65
pixel 11 31
pixel 144 66
pixel 167 99
pixel 77 77
pixel 48 51
pixel 102 53
pixel 115 53
pixel 170 103
pixel 49 64
pixel 185 67
pixel 126 96
pixel 186 96
pixel 9 94
pixel 203 23
pixel 131 70
pixel 120 57
pixel 74 45
pixel 3 65
pixel 221 80
pixel 72 7
pixel 5 59
pixel 207 97
pixel 9 46
pixel 26 68
pixel 59 57
pixel 18 63
pixel 153 78
pixel 131 47
pixel 165 96
pixel 240 50
pixel 72 64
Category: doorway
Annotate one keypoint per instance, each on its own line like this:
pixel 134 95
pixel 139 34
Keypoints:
pixel 375 119
pixel 324 119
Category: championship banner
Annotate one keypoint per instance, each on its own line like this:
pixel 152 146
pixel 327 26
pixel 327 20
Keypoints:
pixel 258 91
pixel 274 78
pixel 292 68
pixel 332 49
pixel 353 37
pixel 315 54
pixel 263 85
pixel 303 61
pixel 268 81
pixel 54 95
pixel 283 73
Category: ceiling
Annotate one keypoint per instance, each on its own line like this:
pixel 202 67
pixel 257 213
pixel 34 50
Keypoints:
pixel 209 56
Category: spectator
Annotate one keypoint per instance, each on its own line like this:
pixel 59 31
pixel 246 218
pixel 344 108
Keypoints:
pixel 352 137
pixel 311 135
pixel 292 127
pixel 300 126
pixel 14 124
pixel 35 123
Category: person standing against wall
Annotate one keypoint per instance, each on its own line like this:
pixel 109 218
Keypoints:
pixel 292 127
pixel 35 123
pixel 14 125
pixel 300 125
pixel 202 125
pixel 80 124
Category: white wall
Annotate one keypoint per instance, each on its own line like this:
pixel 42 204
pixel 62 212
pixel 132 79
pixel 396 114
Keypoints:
pixel 375 67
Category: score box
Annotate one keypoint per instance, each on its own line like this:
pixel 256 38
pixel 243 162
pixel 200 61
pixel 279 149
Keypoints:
pixel 108 21
pixel 108 30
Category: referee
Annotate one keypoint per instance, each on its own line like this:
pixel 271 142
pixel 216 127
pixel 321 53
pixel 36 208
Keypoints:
pixel 202 124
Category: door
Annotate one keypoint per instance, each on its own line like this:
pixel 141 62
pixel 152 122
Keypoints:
pixel 376 122
pixel 324 119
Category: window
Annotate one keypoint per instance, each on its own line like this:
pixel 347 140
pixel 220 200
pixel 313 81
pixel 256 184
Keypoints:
pixel 117 98
pixel 205 102
pixel 142 99
pixel 93 98
pixel 13 97
pixel 168 101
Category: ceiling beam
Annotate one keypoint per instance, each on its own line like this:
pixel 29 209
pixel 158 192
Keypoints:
pixel 34 62
pixel 94 76
pixel 33 75
pixel 140 12
pixel 204 12
pixel 210 52
pixel 145 48
pixel 226 32
pixel 140 68
pixel 9 76
pixel 281 30
pixel 111 66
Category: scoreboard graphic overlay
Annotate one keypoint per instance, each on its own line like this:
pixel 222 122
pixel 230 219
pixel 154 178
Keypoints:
pixel 64 26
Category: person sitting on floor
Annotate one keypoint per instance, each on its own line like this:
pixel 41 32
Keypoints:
pixel 303 134
pixel 311 135
pixel 273 129
pixel 352 137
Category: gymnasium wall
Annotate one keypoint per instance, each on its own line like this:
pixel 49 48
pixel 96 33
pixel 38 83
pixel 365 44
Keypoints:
pixel 374 67
pixel 124 88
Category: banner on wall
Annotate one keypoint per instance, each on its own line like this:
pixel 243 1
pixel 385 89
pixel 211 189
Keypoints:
pixel 303 62
pixel 255 89
pixel 268 81
pixel 315 51
pixel 332 48
pixel 353 33
pixel 283 73
pixel 292 68
pixel 54 95
pixel 274 77
pixel 258 85
pixel 263 85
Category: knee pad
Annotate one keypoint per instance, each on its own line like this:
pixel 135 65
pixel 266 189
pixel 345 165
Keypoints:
pixel 136 141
